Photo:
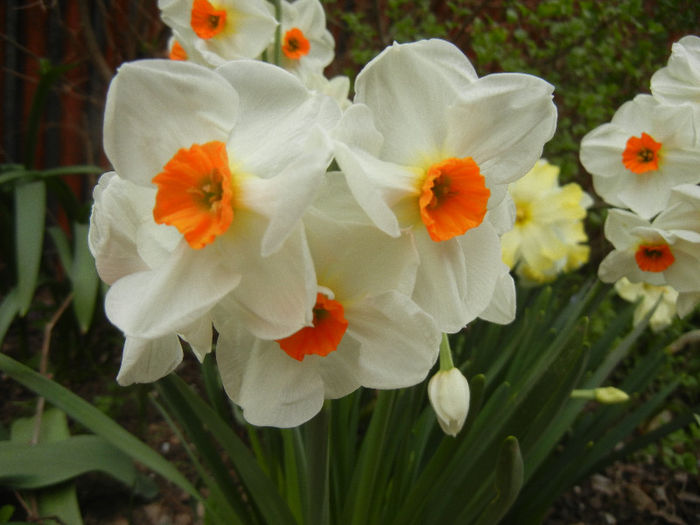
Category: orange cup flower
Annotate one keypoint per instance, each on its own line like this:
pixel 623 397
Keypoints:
pixel 323 337
pixel 453 198
pixel 641 154
pixel 195 193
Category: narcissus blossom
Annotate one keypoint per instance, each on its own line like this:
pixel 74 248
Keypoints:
pixel 647 149
pixel 429 148
pixel 306 44
pixel 548 233
pixel 123 240
pixel 216 31
pixel 225 163
pixel 648 296
pixel 663 252
pixel 679 81
pixel 366 330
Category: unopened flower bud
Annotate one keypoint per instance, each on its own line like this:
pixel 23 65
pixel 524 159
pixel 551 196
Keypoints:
pixel 448 392
pixel 609 395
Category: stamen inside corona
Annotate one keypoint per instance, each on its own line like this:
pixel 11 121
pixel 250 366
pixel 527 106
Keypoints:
pixel 641 154
pixel 323 337
pixel 195 193
pixel 654 257
pixel 206 20
pixel 453 198
pixel 177 52
pixel 294 44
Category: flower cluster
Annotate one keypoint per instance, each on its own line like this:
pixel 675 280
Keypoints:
pixel 647 160
pixel 220 214
pixel 548 235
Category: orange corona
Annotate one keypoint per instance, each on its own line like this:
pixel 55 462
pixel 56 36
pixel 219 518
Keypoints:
pixel 206 20
pixel 453 198
pixel 177 52
pixel 323 337
pixel 195 193
pixel 654 257
pixel 641 154
pixel 294 44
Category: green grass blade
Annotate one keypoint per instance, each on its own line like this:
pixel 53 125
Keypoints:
pixel 24 466
pixel 84 277
pixel 509 480
pixel 30 211
pixel 261 488
pixel 8 310
pixel 90 417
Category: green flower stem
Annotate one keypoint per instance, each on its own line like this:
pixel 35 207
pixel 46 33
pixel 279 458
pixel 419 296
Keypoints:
pixel 583 394
pixel 277 57
pixel 445 354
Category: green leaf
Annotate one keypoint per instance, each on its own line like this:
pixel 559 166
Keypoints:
pixel 24 466
pixel 30 210
pixel 8 311
pixel 90 417
pixel 60 240
pixel 84 277
pixel 49 427
pixel 6 512
pixel 261 488
pixel 30 175
pixel 509 480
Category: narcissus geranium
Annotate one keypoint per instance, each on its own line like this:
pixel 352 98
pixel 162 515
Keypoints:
pixel 225 163
pixel 429 148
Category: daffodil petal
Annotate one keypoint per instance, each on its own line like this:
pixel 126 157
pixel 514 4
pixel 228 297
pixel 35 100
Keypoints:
pixel 147 360
pixel 272 388
pixel 153 303
pixel 156 107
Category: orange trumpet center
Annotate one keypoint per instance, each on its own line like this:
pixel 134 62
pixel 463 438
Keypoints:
pixel 641 154
pixel 195 193
pixel 207 21
pixel 323 337
pixel 654 257
pixel 294 44
pixel 453 198
pixel 177 52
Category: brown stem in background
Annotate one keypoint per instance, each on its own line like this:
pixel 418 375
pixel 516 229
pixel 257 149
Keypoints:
pixel 91 44
pixel 44 363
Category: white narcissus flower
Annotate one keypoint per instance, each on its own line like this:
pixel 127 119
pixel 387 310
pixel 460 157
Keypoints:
pixel 679 81
pixel 548 231
pixel 227 162
pixel 366 330
pixel 123 239
pixel 448 391
pixel 428 147
pixel 306 44
pixel 647 149
pixel 649 295
pixel 217 31
pixel 663 252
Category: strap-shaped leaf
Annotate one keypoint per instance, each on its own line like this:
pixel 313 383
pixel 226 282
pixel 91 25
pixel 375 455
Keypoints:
pixel 24 466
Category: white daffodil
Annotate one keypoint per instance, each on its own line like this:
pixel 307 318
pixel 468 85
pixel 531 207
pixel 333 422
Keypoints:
pixel 226 161
pixel 123 239
pixel 647 149
pixel 306 45
pixel 429 147
pixel 366 330
pixel 679 81
pixel 548 232
pixel 648 296
pixel 220 30
pixel 659 253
